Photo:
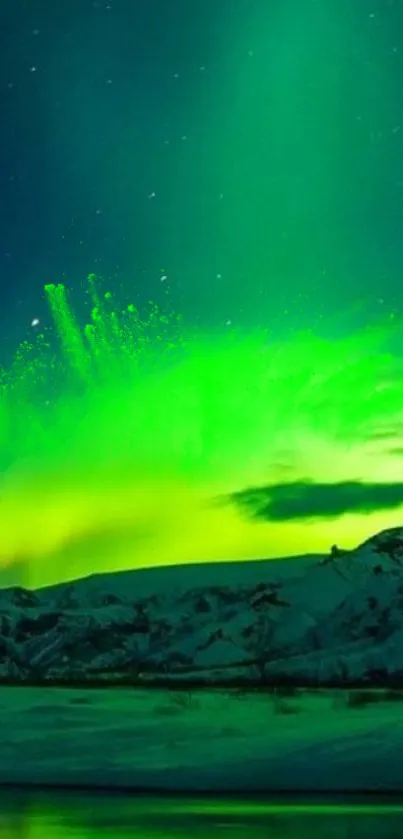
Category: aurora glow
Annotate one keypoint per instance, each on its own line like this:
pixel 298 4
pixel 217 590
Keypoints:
pixel 122 440
pixel 87 816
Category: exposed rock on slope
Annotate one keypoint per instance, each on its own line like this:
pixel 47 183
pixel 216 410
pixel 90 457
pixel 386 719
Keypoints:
pixel 311 620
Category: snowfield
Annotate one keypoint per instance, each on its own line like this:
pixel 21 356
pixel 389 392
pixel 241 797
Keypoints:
pixel 313 620
pixel 204 740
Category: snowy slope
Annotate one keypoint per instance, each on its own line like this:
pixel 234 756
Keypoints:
pixel 335 618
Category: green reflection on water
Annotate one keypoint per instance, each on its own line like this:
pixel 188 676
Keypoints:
pixel 79 816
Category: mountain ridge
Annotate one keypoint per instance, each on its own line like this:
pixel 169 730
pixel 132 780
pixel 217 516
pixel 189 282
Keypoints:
pixel 322 619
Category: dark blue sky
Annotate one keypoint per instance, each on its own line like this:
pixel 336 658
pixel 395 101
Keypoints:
pixel 137 139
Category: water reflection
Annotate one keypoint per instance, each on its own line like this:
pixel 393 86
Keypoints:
pixel 79 816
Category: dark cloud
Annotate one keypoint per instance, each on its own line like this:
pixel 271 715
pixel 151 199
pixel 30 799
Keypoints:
pixel 307 499
pixel 386 434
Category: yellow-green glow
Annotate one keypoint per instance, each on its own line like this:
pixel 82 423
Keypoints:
pixel 118 447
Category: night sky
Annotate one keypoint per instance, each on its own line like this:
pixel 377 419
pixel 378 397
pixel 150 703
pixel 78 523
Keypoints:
pixel 253 151
pixel 245 154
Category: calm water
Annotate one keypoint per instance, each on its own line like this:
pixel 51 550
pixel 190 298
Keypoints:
pixel 48 816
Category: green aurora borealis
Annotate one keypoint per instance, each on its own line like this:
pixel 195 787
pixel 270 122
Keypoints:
pixel 124 442
pixel 240 164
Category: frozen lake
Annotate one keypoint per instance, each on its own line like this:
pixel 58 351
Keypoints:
pixel 71 816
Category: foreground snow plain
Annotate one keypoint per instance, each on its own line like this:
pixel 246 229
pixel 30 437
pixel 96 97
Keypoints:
pixel 203 740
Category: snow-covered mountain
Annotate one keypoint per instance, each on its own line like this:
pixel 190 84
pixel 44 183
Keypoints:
pixel 311 620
